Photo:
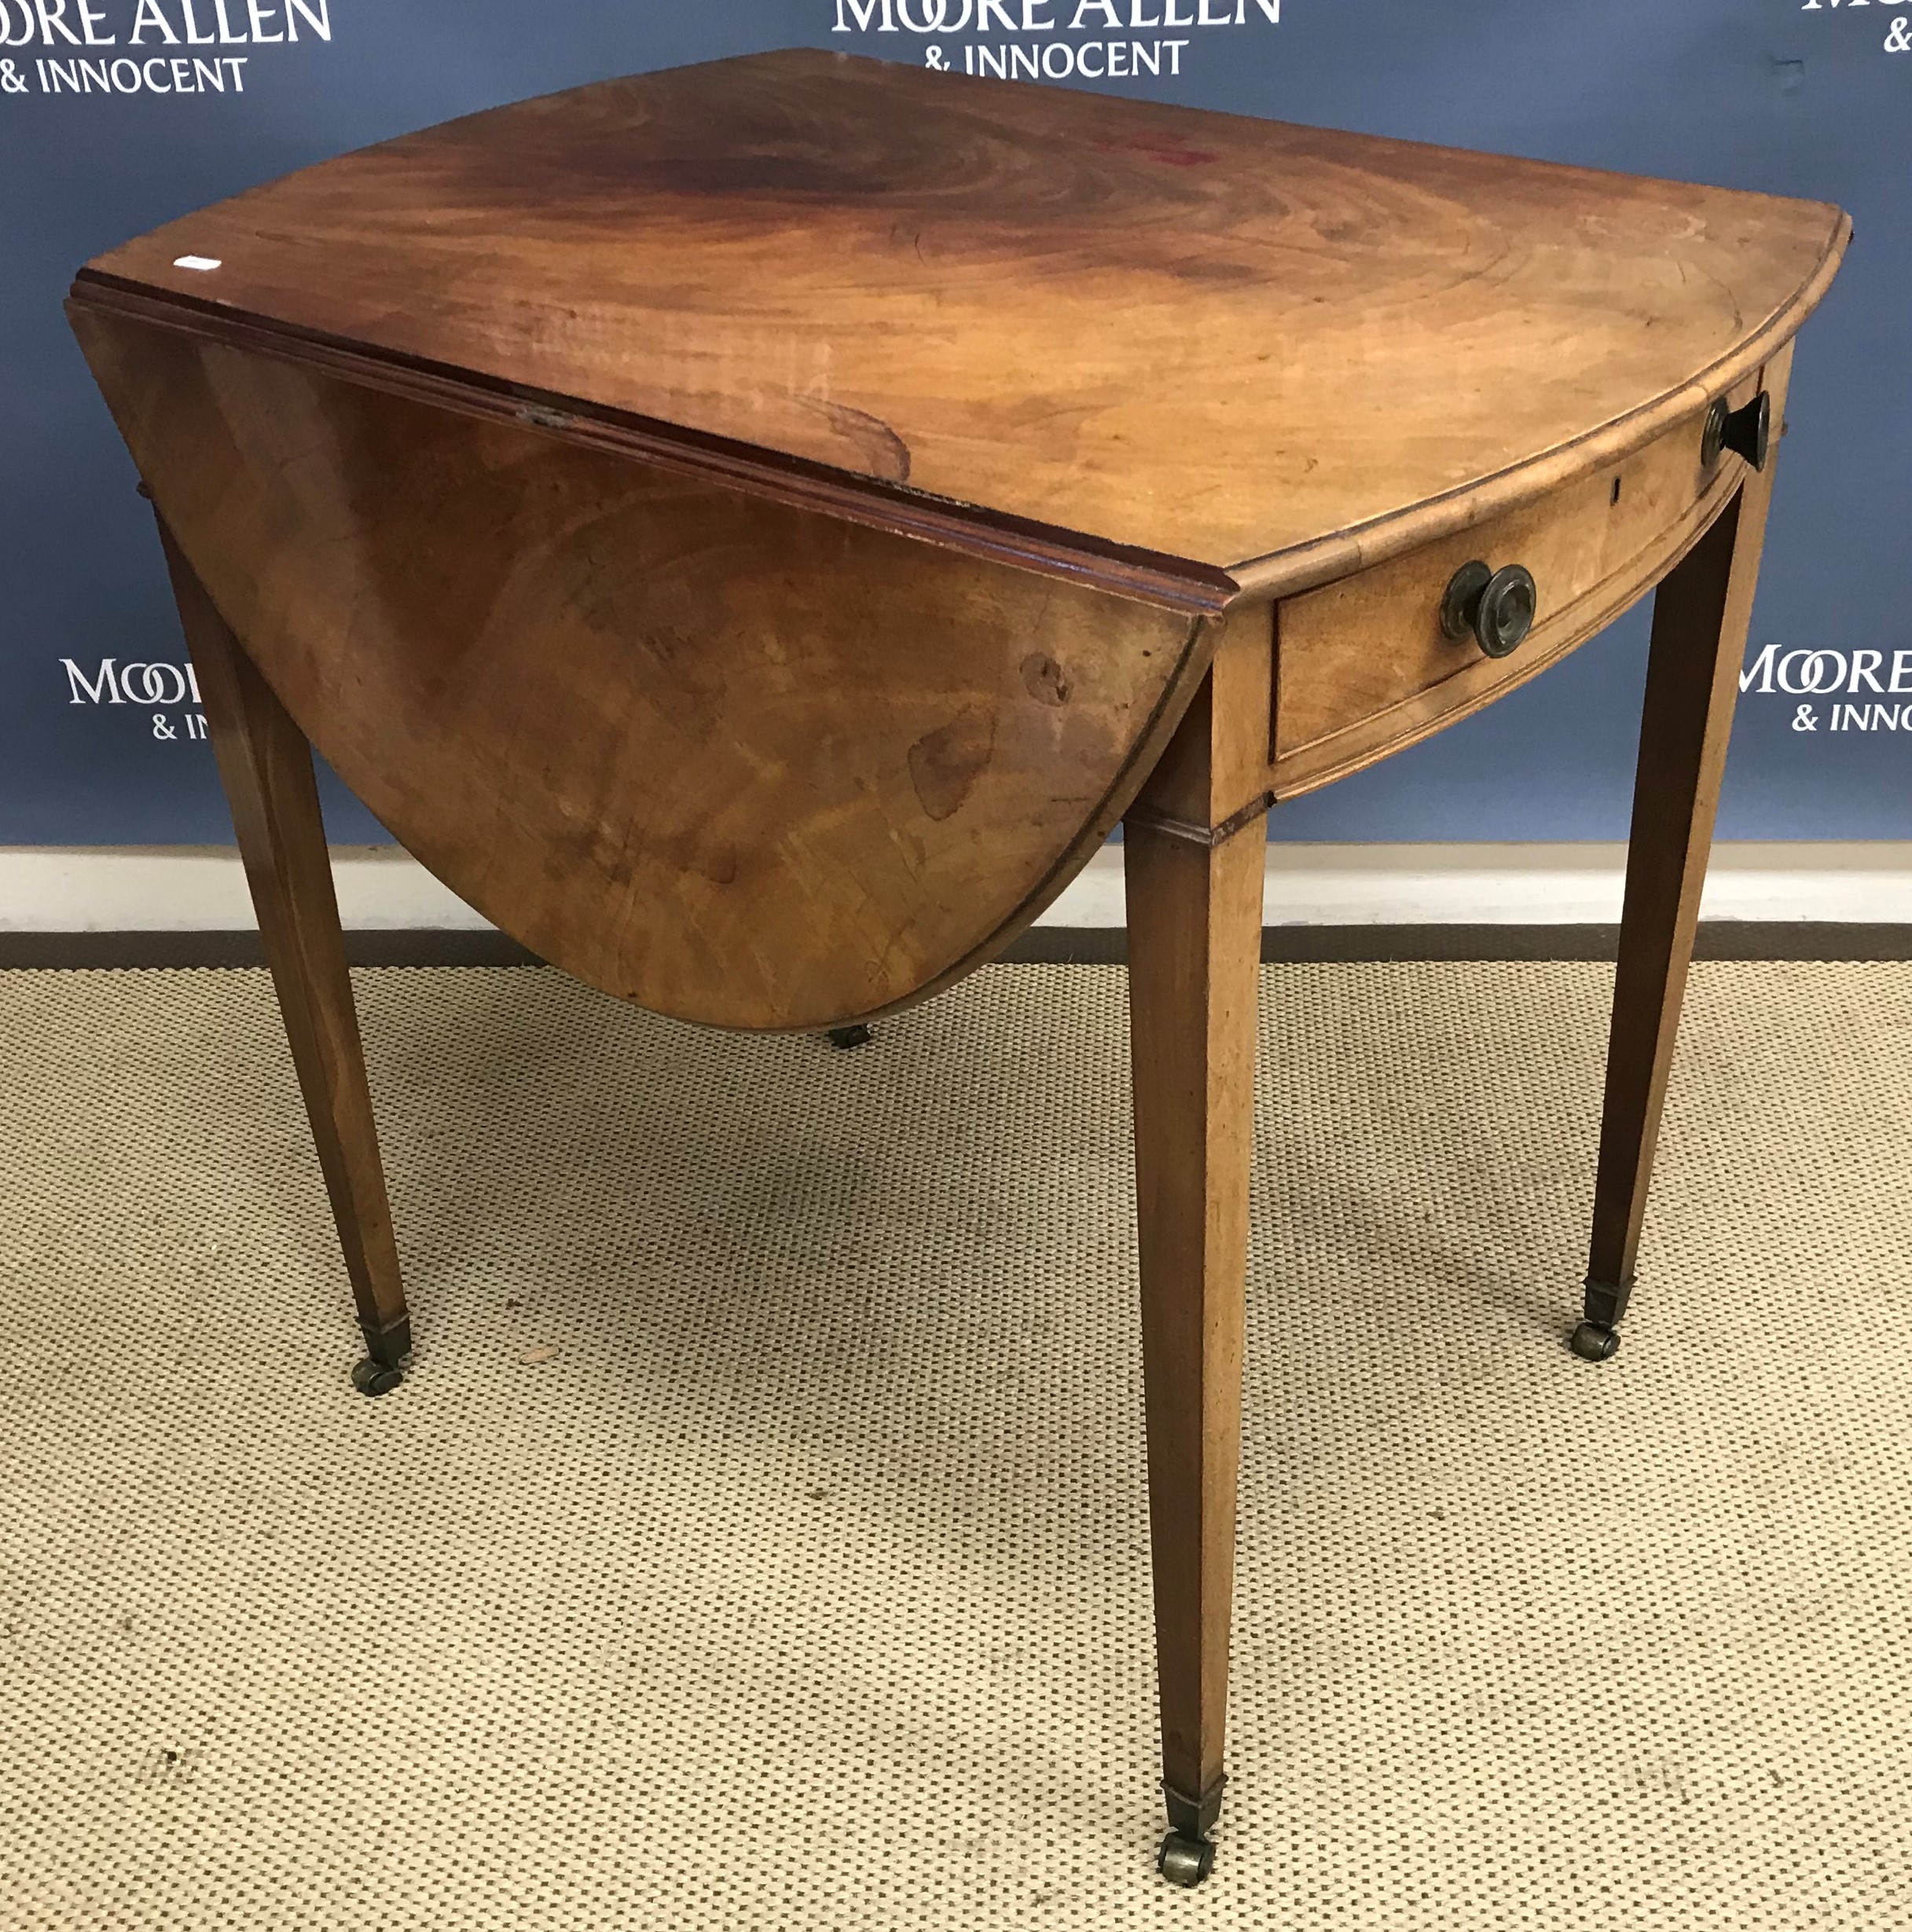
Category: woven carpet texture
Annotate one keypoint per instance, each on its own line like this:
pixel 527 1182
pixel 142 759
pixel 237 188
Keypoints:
pixel 759 1539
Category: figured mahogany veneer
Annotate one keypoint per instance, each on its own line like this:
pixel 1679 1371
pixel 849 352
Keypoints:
pixel 742 763
pixel 753 530
pixel 997 312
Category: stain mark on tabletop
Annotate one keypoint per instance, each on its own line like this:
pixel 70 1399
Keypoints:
pixel 1163 146
pixel 884 452
pixel 945 763
pixel 1044 680
pixel 1195 270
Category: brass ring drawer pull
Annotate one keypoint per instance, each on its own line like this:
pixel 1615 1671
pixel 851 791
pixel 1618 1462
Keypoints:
pixel 1496 606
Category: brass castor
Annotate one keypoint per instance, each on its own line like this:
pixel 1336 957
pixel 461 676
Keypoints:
pixel 846 1037
pixel 375 1378
pixel 1185 1861
pixel 1593 1341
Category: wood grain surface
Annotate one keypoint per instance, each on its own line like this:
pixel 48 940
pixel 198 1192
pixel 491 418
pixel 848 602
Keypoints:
pixel 737 762
pixel 1365 668
pixel 265 765
pixel 1195 933
pixel 1109 329
pixel 1701 614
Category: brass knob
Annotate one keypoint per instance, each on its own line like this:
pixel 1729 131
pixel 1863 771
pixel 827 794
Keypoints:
pixel 1496 606
pixel 1746 431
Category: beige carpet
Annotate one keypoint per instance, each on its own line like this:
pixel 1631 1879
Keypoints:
pixel 759 1539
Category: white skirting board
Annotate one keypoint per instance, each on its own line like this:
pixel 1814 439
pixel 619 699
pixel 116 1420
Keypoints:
pixel 202 888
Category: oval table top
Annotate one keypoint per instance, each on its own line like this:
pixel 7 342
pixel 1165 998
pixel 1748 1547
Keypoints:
pixel 751 529
pixel 1179 352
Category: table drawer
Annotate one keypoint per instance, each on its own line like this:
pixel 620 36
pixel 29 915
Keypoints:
pixel 1365 665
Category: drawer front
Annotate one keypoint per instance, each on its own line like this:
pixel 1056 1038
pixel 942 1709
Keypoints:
pixel 1364 665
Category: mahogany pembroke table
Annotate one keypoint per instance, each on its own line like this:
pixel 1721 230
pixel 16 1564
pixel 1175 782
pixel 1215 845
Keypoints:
pixel 753 531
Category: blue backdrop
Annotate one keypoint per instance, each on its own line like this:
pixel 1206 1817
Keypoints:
pixel 117 114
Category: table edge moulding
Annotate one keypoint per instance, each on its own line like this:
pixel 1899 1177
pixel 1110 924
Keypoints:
pixel 754 530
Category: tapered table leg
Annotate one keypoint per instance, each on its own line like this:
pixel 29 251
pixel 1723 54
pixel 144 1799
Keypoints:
pixel 1195 927
pixel 1700 614
pixel 266 768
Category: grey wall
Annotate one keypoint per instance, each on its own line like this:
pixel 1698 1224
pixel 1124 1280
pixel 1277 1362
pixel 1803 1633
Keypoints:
pixel 1814 100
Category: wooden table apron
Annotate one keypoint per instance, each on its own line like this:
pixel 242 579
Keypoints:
pixel 763 741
